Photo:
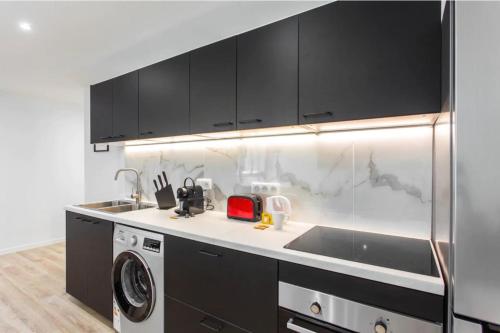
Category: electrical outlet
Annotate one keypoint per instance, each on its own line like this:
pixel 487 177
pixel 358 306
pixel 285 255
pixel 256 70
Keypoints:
pixel 266 188
pixel 205 183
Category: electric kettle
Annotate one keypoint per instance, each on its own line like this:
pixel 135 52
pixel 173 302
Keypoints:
pixel 279 204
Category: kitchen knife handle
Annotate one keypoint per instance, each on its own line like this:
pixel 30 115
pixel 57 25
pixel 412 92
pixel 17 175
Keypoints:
pixel 161 182
pixel 156 185
pixel 210 254
pixel 165 177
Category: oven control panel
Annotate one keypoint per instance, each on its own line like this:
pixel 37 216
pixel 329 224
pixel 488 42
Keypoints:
pixel 152 245
pixel 380 327
pixel 347 314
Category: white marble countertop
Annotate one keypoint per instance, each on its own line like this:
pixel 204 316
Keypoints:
pixel 215 228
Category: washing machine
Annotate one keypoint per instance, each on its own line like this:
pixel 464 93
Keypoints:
pixel 137 280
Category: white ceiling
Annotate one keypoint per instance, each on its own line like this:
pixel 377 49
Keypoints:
pixel 74 44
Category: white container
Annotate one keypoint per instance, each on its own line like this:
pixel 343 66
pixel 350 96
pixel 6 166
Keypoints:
pixel 279 219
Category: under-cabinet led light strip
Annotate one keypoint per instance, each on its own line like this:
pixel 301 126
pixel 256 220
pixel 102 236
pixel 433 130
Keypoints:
pixel 291 134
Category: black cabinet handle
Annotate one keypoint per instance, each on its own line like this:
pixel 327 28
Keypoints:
pixel 318 114
pixel 146 133
pixel 214 327
pixel 250 121
pixel 105 137
pixel 210 254
pixel 86 220
pixel 223 124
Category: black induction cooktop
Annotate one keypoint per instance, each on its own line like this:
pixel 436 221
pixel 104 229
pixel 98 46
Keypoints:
pixel 401 253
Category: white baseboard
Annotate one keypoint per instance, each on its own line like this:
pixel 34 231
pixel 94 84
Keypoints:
pixel 31 245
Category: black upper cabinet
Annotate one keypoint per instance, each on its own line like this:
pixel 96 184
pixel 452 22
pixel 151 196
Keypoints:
pixel 213 87
pixel 347 60
pixel 164 98
pixel 267 75
pixel 125 106
pixel 101 114
pixel 361 60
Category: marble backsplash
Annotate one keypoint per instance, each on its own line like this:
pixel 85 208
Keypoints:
pixel 373 180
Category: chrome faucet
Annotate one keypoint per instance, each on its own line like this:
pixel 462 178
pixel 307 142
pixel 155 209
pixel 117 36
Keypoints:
pixel 138 194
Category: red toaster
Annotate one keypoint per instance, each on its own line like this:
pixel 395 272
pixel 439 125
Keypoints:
pixel 246 207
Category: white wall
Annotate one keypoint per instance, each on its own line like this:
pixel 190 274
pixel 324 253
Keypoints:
pixel 41 169
pixel 100 168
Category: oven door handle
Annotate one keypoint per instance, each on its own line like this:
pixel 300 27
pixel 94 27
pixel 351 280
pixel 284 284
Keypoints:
pixel 296 328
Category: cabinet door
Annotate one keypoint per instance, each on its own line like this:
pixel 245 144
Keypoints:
pixel 76 247
pixel 370 59
pixel 164 98
pixel 226 283
pixel 213 87
pixel 267 75
pixel 183 318
pixel 89 259
pixel 101 112
pixel 125 106
pixel 99 263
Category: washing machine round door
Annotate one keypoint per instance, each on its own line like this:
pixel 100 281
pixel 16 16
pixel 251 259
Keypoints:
pixel 133 286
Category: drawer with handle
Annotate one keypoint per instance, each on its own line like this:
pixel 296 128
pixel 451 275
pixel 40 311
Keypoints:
pixel 180 317
pixel 226 283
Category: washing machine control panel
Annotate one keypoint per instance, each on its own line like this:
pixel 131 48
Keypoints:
pixel 152 245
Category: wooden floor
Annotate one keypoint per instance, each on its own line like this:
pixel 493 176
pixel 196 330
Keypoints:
pixel 33 297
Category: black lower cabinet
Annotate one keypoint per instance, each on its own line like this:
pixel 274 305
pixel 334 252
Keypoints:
pixel 76 249
pixel 183 318
pixel 237 287
pixel 89 258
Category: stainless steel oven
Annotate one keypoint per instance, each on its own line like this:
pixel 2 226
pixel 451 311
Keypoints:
pixel 295 322
pixel 304 310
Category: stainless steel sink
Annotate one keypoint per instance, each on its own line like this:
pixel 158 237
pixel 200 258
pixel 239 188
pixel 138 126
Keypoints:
pixel 103 204
pixel 125 208
pixel 116 206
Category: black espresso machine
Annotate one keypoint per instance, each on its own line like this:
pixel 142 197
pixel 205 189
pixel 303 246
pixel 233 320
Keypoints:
pixel 191 200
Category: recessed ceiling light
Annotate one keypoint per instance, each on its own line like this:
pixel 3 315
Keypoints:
pixel 25 26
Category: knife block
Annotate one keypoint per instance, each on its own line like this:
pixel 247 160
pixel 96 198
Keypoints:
pixel 165 198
